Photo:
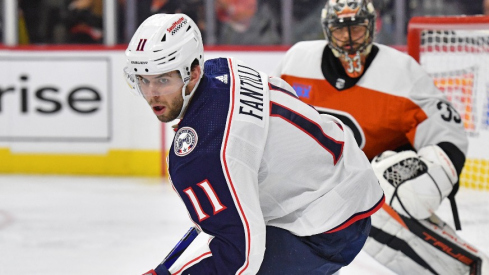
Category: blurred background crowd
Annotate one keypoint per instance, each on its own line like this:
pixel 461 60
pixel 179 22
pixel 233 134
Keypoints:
pixel 222 22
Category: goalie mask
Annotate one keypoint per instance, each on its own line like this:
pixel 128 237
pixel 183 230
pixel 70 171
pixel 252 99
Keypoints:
pixel 164 43
pixel 348 26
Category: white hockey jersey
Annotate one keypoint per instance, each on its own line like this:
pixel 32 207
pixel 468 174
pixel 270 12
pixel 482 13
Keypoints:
pixel 393 104
pixel 249 154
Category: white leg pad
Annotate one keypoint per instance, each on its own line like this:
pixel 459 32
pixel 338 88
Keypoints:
pixel 399 262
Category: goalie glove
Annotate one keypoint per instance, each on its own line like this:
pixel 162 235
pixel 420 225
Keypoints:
pixel 415 184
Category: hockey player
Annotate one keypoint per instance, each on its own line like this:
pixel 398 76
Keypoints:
pixel 406 127
pixel 272 186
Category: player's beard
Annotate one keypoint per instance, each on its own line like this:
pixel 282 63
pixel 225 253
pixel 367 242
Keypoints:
pixel 173 110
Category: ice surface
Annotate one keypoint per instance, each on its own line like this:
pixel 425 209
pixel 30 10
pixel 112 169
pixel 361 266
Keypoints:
pixel 121 225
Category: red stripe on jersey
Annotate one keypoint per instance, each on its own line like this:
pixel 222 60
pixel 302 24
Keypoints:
pixel 359 216
pixel 230 119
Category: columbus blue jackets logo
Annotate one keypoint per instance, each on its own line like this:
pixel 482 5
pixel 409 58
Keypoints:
pixel 185 141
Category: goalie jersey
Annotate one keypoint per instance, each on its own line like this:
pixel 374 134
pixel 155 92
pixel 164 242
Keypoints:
pixel 249 154
pixel 394 105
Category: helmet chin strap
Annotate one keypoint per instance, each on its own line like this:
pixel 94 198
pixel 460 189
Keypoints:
pixel 186 98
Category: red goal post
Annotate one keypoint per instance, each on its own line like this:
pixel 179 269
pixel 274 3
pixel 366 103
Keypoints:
pixel 454 50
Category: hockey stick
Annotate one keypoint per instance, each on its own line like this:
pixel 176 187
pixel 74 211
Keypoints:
pixel 184 242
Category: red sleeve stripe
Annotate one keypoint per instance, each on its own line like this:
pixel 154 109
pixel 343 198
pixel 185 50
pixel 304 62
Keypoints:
pixel 359 216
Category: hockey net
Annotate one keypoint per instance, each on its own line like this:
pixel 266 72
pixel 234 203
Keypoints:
pixel 455 52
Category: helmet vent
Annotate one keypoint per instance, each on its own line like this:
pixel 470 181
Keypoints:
pixel 166 56
pixel 189 27
pixel 164 38
pixel 171 59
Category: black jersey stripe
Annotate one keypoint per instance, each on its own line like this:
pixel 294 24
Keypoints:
pixel 276 88
pixel 309 127
pixel 399 245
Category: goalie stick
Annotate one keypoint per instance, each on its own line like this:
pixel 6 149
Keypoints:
pixel 184 242
pixel 434 235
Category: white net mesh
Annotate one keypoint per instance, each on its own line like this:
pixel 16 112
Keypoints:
pixel 458 61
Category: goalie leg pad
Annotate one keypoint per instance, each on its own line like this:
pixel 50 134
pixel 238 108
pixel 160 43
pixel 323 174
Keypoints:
pixel 394 245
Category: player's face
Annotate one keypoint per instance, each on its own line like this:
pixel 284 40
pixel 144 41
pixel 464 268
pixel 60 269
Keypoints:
pixel 349 38
pixel 163 93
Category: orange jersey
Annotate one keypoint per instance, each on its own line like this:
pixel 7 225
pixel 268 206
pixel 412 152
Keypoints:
pixel 394 103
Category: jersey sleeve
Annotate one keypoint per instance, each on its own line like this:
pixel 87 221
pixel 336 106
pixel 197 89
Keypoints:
pixel 443 125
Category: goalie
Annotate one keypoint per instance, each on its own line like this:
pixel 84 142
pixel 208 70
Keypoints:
pixel 406 127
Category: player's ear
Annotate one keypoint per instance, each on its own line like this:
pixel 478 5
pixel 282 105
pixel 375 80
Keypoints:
pixel 195 73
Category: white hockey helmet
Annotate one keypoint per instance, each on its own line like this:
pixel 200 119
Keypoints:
pixel 347 13
pixel 165 43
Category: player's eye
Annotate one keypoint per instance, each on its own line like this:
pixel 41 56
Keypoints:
pixel 163 81
pixel 142 80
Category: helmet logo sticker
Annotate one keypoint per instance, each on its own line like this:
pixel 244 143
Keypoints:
pixel 177 25
pixel 185 141
pixel 141 44
pixel 345 8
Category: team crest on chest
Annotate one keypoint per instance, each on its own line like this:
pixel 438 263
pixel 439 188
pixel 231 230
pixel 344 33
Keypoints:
pixel 185 141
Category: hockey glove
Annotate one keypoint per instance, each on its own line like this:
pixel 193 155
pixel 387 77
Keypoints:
pixel 415 184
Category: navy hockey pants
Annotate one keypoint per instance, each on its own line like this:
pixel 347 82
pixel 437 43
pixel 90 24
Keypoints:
pixel 318 254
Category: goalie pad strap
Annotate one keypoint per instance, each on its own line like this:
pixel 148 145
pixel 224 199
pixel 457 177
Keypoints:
pixel 458 160
pixel 399 245
pixel 456 218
